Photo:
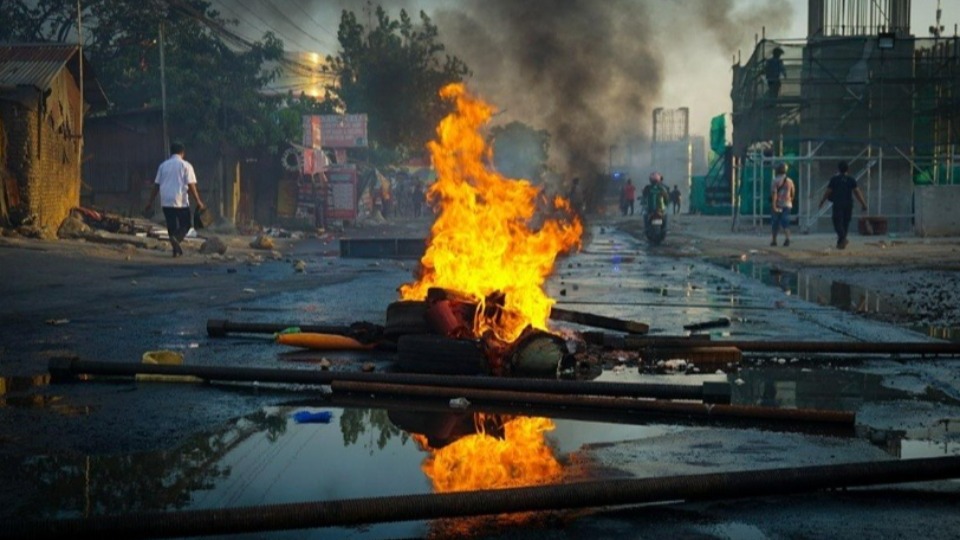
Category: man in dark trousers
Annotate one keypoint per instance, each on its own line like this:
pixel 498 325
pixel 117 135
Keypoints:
pixel 775 72
pixel 175 182
pixel 841 191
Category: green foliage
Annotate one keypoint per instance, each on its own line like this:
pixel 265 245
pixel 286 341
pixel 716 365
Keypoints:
pixel 214 90
pixel 393 73
pixel 519 151
pixel 39 20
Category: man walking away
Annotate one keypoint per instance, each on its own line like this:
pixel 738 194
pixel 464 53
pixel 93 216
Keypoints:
pixel 175 182
pixel 675 198
pixel 841 190
pixel 782 193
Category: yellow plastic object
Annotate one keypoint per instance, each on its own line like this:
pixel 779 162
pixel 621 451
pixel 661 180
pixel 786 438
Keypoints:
pixel 168 358
pixel 326 342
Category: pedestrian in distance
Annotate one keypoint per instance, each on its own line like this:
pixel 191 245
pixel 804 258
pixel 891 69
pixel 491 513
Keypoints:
pixel 175 182
pixel 774 70
pixel 628 197
pixel 782 193
pixel 840 191
pixel 675 198
pixel 576 197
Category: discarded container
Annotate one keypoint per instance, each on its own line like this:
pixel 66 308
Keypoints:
pixel 459 403
pixel 540 354
pixel 310 417
pixel 168 358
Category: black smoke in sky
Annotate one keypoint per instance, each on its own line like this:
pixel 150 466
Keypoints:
pixel 578 68
pixel 589 71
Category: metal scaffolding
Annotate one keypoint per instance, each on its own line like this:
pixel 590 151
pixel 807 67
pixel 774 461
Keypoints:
pixel 888 111
pixel 858 89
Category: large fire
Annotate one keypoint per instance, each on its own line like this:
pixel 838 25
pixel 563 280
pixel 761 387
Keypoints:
pixel 482 241
pixel 484 244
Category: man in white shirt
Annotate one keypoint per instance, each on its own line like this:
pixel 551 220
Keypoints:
pixel 782 193
pixel 175 182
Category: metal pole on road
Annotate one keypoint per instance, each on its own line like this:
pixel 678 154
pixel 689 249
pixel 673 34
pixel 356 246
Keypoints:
pixel 597 493
pixel 686 409
pixel 67 368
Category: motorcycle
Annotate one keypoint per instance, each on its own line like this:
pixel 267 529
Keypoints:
pixel 655 227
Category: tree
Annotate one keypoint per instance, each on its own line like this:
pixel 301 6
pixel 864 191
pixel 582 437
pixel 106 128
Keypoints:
pixel 214 79
pixel 519 151
pixel 393 72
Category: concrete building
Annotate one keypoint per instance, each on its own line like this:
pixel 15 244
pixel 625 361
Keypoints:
pixel 672 152
pixel 45 91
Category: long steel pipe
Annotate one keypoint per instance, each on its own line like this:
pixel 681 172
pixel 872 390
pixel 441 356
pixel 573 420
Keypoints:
pixel 354 512
pixel 739 412
pixel 899 347
pixel 69 368
pixel 606 416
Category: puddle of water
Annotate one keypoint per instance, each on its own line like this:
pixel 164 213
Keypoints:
pixel 267 458
pixel 853 298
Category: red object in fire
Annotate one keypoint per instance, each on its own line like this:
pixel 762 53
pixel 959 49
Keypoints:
pixel 443 316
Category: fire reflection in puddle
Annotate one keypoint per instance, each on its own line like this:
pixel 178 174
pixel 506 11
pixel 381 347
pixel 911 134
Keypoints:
pixel 22 392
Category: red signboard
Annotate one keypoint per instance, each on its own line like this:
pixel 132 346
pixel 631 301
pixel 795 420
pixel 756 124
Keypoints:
pixel 312 161
pixel 342 198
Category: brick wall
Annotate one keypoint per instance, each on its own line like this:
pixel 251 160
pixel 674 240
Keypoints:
pixel 42 154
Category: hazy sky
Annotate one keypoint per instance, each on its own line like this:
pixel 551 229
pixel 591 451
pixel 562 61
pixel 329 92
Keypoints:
pixel 589 71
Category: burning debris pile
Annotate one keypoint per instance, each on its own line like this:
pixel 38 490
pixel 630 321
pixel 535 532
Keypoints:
pixel 483 272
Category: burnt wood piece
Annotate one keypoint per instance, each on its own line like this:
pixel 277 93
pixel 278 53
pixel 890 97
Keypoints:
pixel 619 341
pixel 722 322
pixel 599 321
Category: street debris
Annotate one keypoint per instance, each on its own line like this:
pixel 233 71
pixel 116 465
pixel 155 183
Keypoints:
pixel 310 417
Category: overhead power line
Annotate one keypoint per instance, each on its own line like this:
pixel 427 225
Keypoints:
pixel 294 66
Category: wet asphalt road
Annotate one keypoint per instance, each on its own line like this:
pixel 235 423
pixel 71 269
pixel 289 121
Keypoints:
pixel 115 311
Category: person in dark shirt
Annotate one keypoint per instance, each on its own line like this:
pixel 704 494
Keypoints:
pixel 774 71
pixel 841 190
pixel 675 199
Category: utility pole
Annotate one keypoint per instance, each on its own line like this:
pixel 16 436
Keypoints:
pixel 163 97
pixel 80 83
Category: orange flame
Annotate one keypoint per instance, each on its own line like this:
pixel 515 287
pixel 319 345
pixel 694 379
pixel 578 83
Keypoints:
pixel 482 241
pixel 482 461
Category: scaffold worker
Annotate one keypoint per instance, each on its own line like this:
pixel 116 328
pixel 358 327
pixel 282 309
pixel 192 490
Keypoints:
pixel 775 71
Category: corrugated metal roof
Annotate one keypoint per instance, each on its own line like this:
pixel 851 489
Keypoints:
pixel 34 65
pixel 37 65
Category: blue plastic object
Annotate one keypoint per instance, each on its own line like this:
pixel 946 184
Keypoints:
pixel 308 417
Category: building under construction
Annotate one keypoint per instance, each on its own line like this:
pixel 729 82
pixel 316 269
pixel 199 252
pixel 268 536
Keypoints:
pixel 859 88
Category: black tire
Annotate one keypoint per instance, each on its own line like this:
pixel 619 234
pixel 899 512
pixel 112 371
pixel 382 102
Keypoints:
pixel 406 317
pixel 427 353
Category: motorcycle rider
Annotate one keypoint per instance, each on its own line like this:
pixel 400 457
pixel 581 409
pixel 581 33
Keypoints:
pixel 655 196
